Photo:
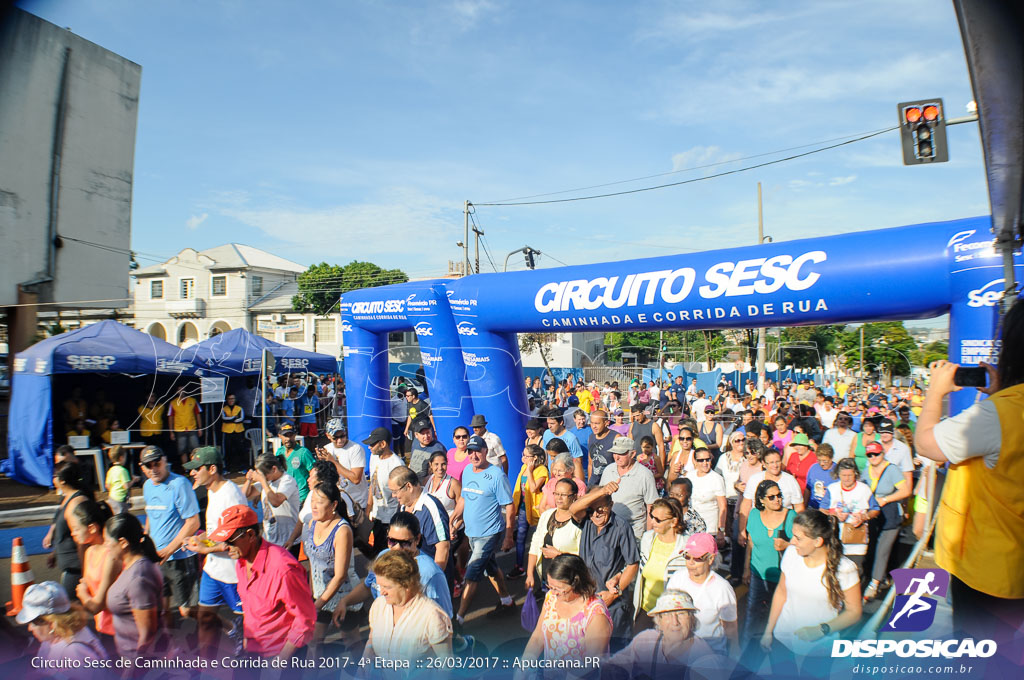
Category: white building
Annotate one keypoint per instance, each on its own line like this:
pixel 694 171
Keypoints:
pixel 198 294
pixel 570 350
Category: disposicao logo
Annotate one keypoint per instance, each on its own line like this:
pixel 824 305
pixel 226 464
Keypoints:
pixel 960 237
pixel 918 592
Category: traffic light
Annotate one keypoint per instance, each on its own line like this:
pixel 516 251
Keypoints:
pixel 530 264
pixel 923 132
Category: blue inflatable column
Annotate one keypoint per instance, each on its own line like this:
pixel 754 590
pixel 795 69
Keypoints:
pixel 495 378
pixel 366 380
pixel 973 316
pixel 450 399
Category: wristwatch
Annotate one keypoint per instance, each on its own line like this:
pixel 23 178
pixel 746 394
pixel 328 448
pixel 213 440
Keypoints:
pixel 617 590
pixel 825 629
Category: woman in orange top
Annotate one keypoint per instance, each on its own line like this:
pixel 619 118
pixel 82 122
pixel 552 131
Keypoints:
pixel 98 572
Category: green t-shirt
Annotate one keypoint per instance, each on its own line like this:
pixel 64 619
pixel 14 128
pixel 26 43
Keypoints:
pixel 764 558
pixel 298 465
pixel 117 481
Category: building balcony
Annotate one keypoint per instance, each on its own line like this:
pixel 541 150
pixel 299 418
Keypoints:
pixel 193 308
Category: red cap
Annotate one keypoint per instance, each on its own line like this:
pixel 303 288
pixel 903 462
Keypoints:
pixel 231 520
pixel 873 447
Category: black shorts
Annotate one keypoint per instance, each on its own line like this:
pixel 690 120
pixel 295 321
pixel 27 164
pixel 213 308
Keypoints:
pixel 181 581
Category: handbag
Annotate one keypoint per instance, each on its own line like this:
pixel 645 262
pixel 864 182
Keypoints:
pixel 851 535
pixel 530 613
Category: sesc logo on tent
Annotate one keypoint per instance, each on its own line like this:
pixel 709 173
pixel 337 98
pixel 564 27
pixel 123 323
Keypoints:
pixel 294 363
pixel 913 611
pixel 81 362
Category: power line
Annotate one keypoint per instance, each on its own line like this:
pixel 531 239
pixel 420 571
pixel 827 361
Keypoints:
pixel 696 167
pixel 482 241
pixel 696 179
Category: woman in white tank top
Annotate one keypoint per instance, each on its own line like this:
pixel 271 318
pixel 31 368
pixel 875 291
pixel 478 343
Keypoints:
pixel 441 485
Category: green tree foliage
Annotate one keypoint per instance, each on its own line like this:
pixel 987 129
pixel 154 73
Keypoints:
pixel 322 284
pixel 933 351
pixel 683 345
pixel 813 344
pixel 887 345
pixel 540 343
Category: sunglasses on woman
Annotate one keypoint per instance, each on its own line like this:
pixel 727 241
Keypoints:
pixel 773 496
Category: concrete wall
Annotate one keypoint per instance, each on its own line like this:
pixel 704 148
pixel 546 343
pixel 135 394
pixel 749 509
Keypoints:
pixel 94 193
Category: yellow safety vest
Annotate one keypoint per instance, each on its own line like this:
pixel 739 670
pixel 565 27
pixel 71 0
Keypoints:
pixel 980 532
pixel 231 412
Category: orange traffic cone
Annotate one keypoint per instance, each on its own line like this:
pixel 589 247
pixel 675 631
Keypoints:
pixel 21 576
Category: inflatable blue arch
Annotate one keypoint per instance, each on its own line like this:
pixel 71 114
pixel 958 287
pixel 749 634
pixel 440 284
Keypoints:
pixel 467 328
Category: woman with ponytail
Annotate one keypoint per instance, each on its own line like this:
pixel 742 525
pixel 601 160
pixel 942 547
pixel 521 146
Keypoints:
pixel 135 599
pixel 819 590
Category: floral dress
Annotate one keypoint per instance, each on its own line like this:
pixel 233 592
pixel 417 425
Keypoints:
pixel 564 639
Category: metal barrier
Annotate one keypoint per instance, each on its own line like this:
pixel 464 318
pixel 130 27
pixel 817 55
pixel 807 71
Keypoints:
pixel 620 374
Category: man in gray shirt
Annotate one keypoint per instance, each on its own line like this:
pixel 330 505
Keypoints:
pixel 631 486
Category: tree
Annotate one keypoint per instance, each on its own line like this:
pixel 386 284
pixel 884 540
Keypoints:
pixel 933 351
pixel 541 343
pixel 321 285
pixel 699 345
pixel 817 343
pixel 887 347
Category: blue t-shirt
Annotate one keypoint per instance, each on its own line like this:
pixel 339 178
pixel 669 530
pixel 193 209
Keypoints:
pixel 485 492
pixel 571 442
pixel 435 587
pixel 287 409
pixel 817 482
pixel 308 407
pixel 168 505
pixel 583 437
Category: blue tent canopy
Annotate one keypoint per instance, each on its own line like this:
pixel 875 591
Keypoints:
pixel 239 352
pixel 107 347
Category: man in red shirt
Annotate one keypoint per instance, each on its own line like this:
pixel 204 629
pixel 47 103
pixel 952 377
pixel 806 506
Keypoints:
pixel 274 589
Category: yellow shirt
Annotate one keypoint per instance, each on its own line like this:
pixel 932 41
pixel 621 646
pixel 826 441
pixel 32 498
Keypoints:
pixel 841 389
pixel 231 412
pixel 654 572
pixel 534 501
pixel 184 414
pixel 152 422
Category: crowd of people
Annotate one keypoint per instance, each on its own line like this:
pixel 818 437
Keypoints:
pixel 632 537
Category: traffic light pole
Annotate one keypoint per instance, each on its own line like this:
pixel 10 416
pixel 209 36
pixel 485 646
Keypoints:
pixel 762 332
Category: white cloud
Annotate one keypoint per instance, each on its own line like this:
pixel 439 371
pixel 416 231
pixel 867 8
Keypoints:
pixel 194 221
pixel 840 181
pixel 701 156
pixel 468 13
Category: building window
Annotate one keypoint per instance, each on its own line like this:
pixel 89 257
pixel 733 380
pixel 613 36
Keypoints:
pixel 326 330
pixel 257 285
pixel 295 336
pixel 397 338
pixel 268 334
pixel 156 289
pixel 219 286
pixel 188 289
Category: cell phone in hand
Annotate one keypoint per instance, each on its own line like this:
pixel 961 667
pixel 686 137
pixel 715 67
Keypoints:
pixel 970 376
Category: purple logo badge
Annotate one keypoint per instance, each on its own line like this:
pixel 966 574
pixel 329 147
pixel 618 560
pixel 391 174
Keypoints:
pixel 917 592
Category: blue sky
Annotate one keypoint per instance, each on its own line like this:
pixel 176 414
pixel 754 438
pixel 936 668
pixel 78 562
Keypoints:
pixel 355 130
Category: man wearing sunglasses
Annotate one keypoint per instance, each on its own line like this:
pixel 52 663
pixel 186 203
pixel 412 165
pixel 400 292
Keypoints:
pixel 403 534
pixel 430 514
pixel 272 585
pixel 172 516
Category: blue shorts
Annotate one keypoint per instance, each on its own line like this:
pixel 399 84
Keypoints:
pixel 214 593
pixel 481 558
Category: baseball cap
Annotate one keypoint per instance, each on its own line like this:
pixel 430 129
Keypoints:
pixel 380 434
pixel 421 424
pixel 574 400
pixel 150 454
pixel 673 601
pixel 533 424
pixel 231 520
pixel 873 447
pixel 800 439
pixel 885 425
pixel 204 455
pixel 622 445
pixel 336 425
pixel 700 545
pixel 618 412
pixel 286 428
pixel 710 408
pixel 476 443
pixel 48 597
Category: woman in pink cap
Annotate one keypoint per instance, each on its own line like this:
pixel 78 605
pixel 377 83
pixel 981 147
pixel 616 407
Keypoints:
pixel 712 594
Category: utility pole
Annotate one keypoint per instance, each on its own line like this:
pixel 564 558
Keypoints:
pixel 477 233
pixel 762 333
pixel 465 241
pixel 862 354
pixel 661 354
